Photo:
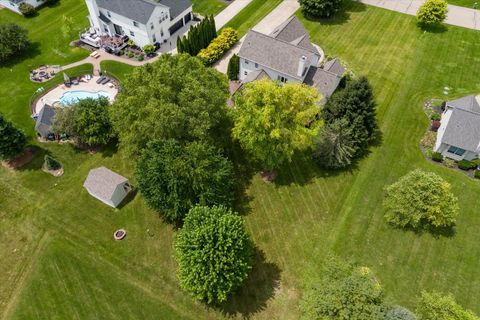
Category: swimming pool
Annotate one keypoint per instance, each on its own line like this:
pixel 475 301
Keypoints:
pixel 72 97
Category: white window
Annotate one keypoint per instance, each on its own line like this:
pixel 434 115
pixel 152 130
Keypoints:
pixel 256 65
pixel 457 151
pixel 246 61
pixel 161 33
pixel 135 23
pixel 108 14
pixel 151 25
pixel 154 38
pixel 132 33
pixel 282 79
pixel 245 73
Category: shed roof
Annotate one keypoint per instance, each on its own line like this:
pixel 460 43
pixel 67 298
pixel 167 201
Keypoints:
pixel 102 182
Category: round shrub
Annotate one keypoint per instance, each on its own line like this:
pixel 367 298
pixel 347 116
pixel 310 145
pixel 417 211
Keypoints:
pixel 320 8
pixel 51 163
pixel 432 12
pixel 420 199
pixel 435 117
pixel 437 156
pixel 399 313
pixel 466 165
pixel 27 9
pixel 213 252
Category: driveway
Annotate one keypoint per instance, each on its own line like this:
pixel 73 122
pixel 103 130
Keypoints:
pixel 229 12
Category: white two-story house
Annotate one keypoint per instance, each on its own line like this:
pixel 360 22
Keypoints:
pixel 143 21
pixel 288 55
pixel 458 137
pixel 14 5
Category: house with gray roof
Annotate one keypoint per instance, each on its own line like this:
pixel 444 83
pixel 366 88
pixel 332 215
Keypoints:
pixel 458 137
pixel 288 55
pixel 14 5
pixel 143 21
pixel 107 186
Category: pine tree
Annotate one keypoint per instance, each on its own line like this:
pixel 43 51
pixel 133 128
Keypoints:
pixel 12 140
pixel 179 45
pixel 233 67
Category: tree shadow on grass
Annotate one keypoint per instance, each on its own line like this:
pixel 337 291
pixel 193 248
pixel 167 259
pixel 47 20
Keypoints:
pixel 434 28
pixel 37 159
pixel 257 290
pixel 129 198
pixel 341 17
pixel 31 52
pixel 436 232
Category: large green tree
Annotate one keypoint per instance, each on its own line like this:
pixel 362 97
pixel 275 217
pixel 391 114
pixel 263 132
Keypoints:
pixel 434 306
pixel 345 292
pixel 335 147
pixel 432 12
pixel 92 121
pixel 269 120
pixel 175 97
pixel 320 8
pixel 173 177
pixel 214 253
pixel 419 200
pixel 12 140
pixel 357 106
pixel 13 40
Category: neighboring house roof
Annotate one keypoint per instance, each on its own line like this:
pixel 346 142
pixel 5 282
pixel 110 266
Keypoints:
pixel 141 10
pixel 294 32
pixel 274 53
pixel 326 82
pixel 44 122
pixel 102 182
pixel 463 130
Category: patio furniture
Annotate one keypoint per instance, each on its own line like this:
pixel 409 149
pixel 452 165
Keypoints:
pixel 100 79
pixel 105 81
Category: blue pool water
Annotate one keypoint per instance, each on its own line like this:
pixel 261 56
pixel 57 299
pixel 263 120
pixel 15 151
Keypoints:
pixel 72 97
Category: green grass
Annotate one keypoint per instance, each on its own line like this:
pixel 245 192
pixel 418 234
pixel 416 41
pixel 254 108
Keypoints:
pixel 207 7
pixel 59 259
pixel 252 14
pixel 465 3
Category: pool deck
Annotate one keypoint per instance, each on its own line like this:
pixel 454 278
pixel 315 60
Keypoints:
pixel 54 95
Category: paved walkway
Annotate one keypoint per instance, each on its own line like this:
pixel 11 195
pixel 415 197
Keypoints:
pixel 229 12
pixel 457 16
pixel 278 15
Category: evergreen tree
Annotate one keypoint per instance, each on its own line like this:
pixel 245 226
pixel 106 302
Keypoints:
pixel 233 67
pixel 12 140
pixel 179 45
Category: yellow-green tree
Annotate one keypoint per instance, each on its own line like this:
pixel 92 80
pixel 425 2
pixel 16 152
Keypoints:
pixel 270 118
pixel 432 12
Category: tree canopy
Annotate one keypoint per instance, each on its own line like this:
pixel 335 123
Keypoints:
pixel 434 306
pixel 12 140
pixel 420 199
pixel 269 120
pixel 320 8
pixel 175 97
pixel 357 106
pixel 335 147
pixel 432 12
pixel 173 177
pixel 13 40
pixel 346 292
pixel 214 253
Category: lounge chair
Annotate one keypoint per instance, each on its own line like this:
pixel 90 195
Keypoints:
pixel 100 79
pixel 105 81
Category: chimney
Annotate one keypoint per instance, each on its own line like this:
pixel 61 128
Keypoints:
pixel 301 66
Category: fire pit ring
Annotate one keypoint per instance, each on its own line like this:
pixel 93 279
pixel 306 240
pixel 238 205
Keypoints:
pixel 119 234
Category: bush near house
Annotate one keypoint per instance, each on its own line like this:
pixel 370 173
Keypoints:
pixel 233 67
pixel 437 157
pixel 419 200
pixel 432 12
pixel 27 9
pixel 466 165
pixel 221 44
pixel 149 49
pixel 435 117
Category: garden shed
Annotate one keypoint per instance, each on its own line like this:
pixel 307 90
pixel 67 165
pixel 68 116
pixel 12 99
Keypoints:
pixel 107 186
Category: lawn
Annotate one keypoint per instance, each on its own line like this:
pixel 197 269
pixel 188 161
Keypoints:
pixel 252 14
pixel 465 3
pixel 206 7
pixel 59 259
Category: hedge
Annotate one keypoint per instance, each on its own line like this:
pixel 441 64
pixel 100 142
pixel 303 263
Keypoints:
pixel 217 48
pixel 477 174
pixel 466 165
pixel 438 157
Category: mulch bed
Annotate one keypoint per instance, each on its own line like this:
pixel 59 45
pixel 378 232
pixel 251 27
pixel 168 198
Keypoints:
pixel 21 160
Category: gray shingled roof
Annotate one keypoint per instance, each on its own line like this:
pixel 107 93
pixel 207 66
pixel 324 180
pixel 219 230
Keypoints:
pixel 468 103
pixel 463 130
pixel 102 182
pixel 326 82
pixel 294 32
pixel 255 75
pixel 273 53
pixel 44 122
pixel 334 66
pixel 141 10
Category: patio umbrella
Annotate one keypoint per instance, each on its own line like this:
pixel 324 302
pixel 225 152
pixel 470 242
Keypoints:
pixel 66 79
